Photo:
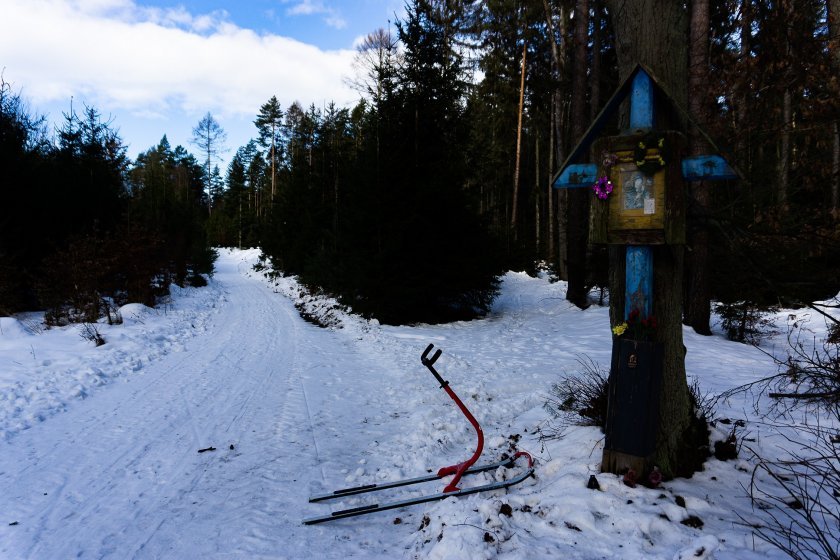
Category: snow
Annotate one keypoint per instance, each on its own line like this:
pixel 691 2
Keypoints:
pixel 99 446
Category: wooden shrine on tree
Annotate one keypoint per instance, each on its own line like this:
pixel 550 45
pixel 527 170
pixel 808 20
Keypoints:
pixel 638 209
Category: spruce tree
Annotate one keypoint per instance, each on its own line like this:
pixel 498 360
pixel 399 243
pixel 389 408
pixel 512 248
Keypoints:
pixel 434 257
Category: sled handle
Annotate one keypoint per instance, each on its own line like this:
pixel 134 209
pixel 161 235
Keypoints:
pixel 428 362
pixel 459 469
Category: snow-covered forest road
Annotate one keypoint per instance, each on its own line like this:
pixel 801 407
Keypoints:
pixel 120 475
pixel 100 446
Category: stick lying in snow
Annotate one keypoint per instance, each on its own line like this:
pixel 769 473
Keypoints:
pixel 207 449
pixel 828 394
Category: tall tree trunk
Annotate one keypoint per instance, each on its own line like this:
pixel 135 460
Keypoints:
pixel 655 33
pixel 562 126
pixel 578 207
pixel 550 187
pixel 835 172
pixel 834 34
pixel 745 36
pixel 784 150
pixel 515 203
pixel 537 196
pixel 785 144
pixel 558 60
pixel 579 69
pixel 698 290
pixel 273 157
pixel 595 74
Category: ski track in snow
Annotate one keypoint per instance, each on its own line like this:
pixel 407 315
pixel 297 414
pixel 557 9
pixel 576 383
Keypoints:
pixel 294 410
pixel 126 461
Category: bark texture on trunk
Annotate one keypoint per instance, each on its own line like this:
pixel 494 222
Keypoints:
pixel 654 33
pixel 741 139
pixel 834 34
pixel 560 122
pixel 578 208
pixel 515 203
pixel 595 74
pixel 835 172
pixel 553 145
pixel 784 150
pixel 698 291
pixel 550 187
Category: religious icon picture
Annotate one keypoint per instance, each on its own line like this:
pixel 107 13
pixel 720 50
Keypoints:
pixel 637 190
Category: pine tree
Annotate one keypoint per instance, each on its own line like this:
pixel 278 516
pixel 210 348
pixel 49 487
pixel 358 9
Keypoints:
pixel 23 150
pixel 423 212
pixel 268 123
pixel 168 208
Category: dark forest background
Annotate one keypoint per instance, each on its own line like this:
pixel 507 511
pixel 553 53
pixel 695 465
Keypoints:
pixel 410 205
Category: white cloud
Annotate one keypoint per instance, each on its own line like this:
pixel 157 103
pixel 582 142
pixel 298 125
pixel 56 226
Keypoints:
pixel 306 8
pixel 153 61
pixel 332 17
pixel 336 22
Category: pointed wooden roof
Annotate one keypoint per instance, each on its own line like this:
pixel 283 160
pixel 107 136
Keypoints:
pixel 612 105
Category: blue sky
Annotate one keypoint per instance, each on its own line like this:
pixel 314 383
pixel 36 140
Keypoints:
pixel 156 67
pixel 328 24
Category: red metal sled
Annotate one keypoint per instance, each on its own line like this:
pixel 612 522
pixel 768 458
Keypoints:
pixel 459 470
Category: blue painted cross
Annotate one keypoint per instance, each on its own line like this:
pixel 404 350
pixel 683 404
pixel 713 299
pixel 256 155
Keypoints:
pixel 639 258
pixel 697 168
pixel 706 168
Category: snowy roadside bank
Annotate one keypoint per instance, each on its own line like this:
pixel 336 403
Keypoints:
pixel 42 371
pixel 109 468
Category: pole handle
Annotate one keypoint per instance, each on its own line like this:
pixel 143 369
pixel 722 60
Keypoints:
pixel 428 362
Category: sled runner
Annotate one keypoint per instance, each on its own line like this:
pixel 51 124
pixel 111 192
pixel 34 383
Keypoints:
pixel 459 470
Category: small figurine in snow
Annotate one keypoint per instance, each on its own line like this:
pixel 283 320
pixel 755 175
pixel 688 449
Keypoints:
pixel 655 477
pixel 630 478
